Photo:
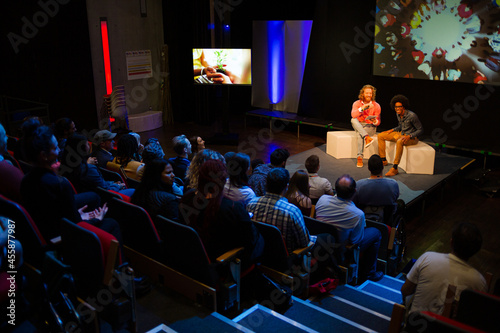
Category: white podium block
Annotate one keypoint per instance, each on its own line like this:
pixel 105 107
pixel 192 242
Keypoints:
pixel 418 158
pixel 341 144
pixel 145 121
pixel 344 144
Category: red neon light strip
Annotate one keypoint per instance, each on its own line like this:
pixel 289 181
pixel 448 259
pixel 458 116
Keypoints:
pixel 105 51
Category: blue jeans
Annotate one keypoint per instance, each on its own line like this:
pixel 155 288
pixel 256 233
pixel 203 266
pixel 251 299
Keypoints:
pixel 369 248
pixel 362 129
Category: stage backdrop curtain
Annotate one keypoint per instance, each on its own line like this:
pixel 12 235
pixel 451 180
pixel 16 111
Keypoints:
pixel 279 54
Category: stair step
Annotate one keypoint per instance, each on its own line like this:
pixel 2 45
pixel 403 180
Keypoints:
pixel 214 323
pixel 369 301
pixel 391 282
pixel 161 329
pixel 261 319
pixel 344 315
pixel 381 291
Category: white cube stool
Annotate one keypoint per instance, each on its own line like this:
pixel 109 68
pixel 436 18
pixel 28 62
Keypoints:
pixel 418 158
pixel 344 144
pixel 341 144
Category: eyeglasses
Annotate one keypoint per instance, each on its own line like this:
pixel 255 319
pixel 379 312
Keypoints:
pixel 398 106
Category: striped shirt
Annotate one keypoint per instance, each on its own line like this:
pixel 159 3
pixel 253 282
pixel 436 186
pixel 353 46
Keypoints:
pixel 276 210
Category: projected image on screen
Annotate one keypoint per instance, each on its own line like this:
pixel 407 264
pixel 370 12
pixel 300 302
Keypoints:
pixel 222 66
pixel 448 40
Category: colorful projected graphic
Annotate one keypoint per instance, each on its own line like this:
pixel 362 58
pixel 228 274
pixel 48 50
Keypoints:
pixel 443 40
pixel 222 66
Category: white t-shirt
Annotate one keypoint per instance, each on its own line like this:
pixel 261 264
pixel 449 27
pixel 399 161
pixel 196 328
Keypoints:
pixel 433 272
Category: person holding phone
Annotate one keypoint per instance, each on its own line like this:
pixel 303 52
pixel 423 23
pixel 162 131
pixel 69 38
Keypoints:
pixel 365 115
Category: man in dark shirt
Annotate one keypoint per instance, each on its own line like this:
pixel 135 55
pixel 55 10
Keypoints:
pixel 104 140
pixel 258 179
pixel 405 134
pixel 182 148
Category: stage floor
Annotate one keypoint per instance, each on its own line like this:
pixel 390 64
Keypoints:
pixel 411 186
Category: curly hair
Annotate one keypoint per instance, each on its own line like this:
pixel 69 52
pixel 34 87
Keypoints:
pixel 126 148
pixel 198 159
pixel 400 99
pixel 368 86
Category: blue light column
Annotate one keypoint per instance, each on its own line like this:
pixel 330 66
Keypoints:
pixel 276 61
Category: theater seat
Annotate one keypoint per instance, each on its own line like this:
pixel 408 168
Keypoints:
pixel 433 323
pixel 479 309
pixel 34 244
pixel 94 258
pixel 295 265
pixel 224 274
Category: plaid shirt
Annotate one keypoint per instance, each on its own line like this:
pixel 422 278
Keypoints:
pixel 276 210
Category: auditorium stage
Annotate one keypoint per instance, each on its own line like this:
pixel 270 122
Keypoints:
pixel 412 187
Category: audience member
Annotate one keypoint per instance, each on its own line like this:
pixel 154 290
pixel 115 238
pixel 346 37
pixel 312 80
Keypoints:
pixel 104 152
pixel 273 208
pixel 298 192
pixel 82 170
pixel 63 129
pixel 140 147
pixel 258 178
pixel 198 159
pixel 152 150
pixel 317 185
pixel 433 272
pixel 373 193
pixel 349 220
pixel 10 176
pixel 49 197
pixel 236 187
pixel 221 223
pixel 127 148
pixel 155 193
pixel 29 125
pixel 255 163
pixel 197 144
pixel 180 163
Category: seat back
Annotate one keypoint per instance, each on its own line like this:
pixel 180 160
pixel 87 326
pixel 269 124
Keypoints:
pixel 10 181
pixel 317 227
pixel 82 250
pixel 478 309
pixel 138 230
pixel 275 253
pixel 34 245
pixel 430 322
pixel 385 231
pixel 185 252
pixel 382 214
pixel 111 175
pixel 346 256
pixel 107 195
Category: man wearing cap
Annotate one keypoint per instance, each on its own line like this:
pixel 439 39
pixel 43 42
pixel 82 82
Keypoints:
pixel 104 141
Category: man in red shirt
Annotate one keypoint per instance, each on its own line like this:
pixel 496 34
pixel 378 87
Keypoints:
pixel 365 115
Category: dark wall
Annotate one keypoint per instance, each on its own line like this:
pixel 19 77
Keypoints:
pixel 339 63
pixel 186 26
pixel 52 63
